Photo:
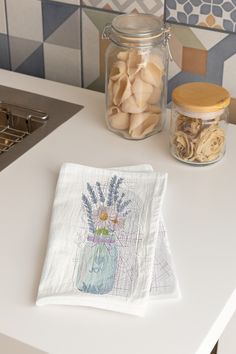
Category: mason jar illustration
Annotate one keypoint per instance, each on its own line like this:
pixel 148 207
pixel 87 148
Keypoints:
pixel 106 209
pixel 97 268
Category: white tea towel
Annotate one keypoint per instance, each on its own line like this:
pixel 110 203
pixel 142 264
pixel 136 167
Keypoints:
pixel 103 238
pixel 164 283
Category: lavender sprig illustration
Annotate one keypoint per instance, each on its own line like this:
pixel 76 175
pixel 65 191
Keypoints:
pixel 111 190
pixel 92 193
pixel 120 201
pixel 123 206
pixel 100 192
pixel 106 211
pixel 116 189
pixel 89 212
pixel 126 213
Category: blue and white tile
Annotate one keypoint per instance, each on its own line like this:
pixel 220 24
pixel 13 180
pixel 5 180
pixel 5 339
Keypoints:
pixel 183 11
pixel 54 14
pixel 221 61
pixel 62 64
pixel 214 14
pixel 33 64
pixel 208 38
pixel 25 19
pixel 229 18
pixel 68 33
pixel 3 26
pixel 148 6
pixel 21 49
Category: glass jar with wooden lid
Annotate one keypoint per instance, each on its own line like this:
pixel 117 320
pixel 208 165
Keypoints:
pixel 198 122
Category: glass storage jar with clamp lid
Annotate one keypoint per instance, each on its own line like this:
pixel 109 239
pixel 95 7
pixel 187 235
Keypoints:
pixel 136 75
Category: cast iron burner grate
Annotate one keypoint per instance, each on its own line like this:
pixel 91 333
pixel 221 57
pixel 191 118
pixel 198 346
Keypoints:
pixel 16 123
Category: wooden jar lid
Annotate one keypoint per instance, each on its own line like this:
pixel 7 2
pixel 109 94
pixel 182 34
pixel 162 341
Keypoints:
pixel 201 97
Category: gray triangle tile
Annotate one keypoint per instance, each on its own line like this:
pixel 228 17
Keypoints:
pixel 68 33
pixel 54 14
pixel 24 19
pixel 62 64
pixel 34 64
pixel 93 48
pixel 4 52
pixel 21 49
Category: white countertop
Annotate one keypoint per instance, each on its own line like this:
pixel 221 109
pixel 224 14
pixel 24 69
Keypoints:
pixel 199 211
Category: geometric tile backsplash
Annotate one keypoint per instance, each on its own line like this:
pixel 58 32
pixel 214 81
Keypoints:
pixel 201 55
pixel 61 40
pixel 151 6
pixel 216 14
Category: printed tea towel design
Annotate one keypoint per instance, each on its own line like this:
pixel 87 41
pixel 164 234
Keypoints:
pixel 106 216
pixel 103 237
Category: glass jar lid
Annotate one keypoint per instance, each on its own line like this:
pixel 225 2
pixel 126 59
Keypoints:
pixel 136 28
pixel 201 97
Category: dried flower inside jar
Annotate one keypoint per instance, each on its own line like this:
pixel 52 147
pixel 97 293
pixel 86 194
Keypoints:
pixel 184 146
pixel 198 140
pixel 210 144
pixel 190 126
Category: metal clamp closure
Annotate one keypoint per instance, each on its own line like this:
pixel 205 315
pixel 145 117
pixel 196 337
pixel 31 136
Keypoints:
pixel 106 31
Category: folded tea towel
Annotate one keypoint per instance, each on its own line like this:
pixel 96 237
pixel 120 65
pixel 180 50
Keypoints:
pixel 103 238
pixel 164 285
